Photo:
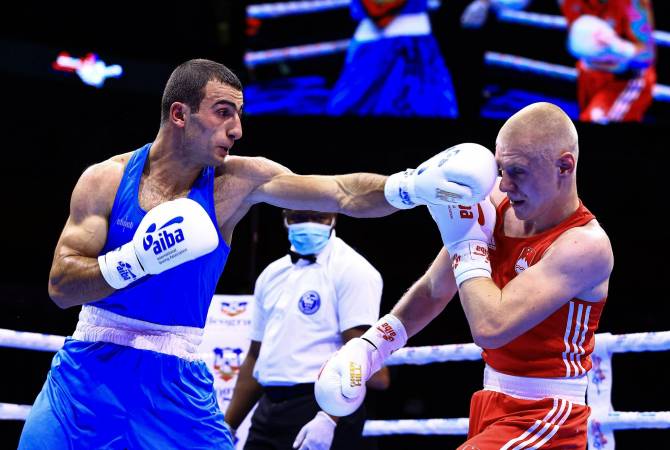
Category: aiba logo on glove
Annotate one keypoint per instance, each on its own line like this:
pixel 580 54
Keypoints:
pixel 387 331
pixel 165 239
pixel 125 270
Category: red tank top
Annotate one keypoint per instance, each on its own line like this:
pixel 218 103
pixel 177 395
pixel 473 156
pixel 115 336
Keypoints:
pixel 560 345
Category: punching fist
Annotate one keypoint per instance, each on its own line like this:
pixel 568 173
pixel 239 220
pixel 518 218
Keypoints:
pixel 170 234
pixel 591 38
pixel 340 386
pixel 463 174
pixel 466 233
pixel 475 14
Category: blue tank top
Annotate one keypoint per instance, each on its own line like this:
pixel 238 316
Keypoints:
pixel 181 295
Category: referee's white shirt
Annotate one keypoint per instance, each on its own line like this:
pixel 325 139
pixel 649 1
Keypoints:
pixel 301 310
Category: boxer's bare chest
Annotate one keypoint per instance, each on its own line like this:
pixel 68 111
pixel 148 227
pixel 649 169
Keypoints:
pixel 151 194
pixel 229 194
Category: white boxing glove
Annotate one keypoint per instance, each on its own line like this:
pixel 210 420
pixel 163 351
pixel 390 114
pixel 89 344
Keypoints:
pixel 340 386
pixel 590 37
pixel 475 14
pixel 466 233
pixel 463 174
pixel 170 234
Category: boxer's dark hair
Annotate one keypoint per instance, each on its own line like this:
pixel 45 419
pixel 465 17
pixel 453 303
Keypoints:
pixel 187 84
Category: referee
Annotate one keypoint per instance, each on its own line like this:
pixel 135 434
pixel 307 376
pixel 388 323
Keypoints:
pixel 308 304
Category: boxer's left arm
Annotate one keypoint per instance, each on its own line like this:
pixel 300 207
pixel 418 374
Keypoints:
pixel 463 174
pixel 577 265
pixel 357 194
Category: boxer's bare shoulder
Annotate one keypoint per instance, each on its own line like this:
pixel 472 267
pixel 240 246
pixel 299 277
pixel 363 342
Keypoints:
pixel 234 184
pixel 96 188
pixel 583 255
pixel 589 238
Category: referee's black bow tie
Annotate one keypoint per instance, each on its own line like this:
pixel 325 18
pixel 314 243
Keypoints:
pixel 296 256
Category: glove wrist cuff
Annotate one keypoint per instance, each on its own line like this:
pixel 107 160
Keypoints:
pixel 623 48
pixel 120 267
pixel 470 259
pixel 399 189
pixel 387 336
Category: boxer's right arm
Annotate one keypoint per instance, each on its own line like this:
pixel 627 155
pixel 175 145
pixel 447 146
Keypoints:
pixel 428 296
pixel 75 276
pixel 340 387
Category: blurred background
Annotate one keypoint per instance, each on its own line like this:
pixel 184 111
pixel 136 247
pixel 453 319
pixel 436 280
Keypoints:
pixel 302 110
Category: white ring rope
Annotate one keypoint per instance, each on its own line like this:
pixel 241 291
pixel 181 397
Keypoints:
pixel 603 418
pixel 619 343
pixel 661 92
pixel 558 22
pixel 30 341
pixel 274 10
pixel 259 57
pixel 633 420
pixel 425 426
pixel 9 411
pixel 434 354
pixel 637 342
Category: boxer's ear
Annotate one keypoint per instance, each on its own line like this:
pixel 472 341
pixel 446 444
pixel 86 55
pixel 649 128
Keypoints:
pixel 566 164
pixel 178 111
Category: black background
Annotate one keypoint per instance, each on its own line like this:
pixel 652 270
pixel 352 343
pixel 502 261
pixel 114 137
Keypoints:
pixel 53 127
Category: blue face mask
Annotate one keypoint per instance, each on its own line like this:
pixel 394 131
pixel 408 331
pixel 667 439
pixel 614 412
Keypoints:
pixel 308 238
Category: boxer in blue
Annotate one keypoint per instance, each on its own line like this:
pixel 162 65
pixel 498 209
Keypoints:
pixel 143 248
pixel 393 65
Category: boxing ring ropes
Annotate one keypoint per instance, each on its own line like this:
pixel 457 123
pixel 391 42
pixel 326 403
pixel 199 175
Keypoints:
pixel 602 423
pixel 493 59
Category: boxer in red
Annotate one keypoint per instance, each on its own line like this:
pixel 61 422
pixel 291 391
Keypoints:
pixel 617 84
pixel 531 265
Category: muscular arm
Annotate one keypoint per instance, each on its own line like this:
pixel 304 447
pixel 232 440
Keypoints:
pixel 75 276
pixel 577 265
pixel 357 195
pixel 428 296
pixel 247 389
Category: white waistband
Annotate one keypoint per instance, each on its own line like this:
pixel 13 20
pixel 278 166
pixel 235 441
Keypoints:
pixel 404 25
pixel 530 388
pixel 99 325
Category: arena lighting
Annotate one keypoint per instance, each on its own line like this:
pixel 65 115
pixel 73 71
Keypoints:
pixel 92 70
